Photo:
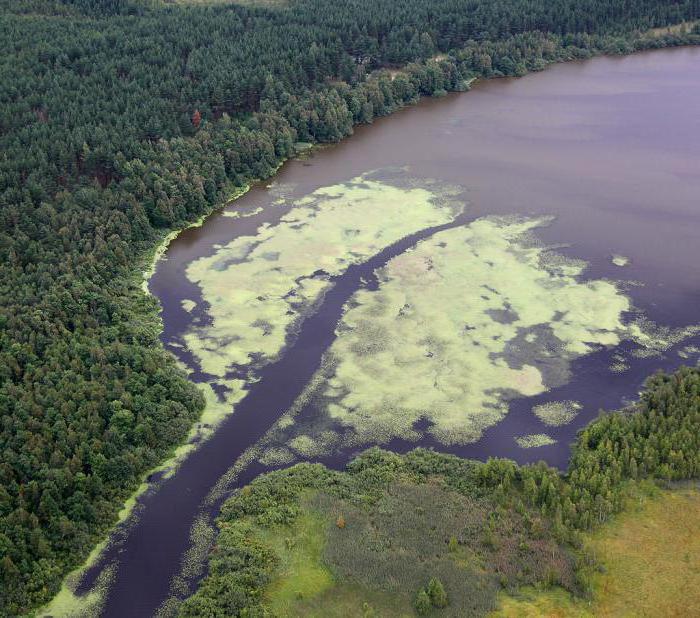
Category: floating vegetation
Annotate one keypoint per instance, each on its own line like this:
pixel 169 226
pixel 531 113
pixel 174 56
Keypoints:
pixel 535 440
pixel 276 456
pixel 467 320
pixel 258 287
pixel 67 604
pixel 192 566
pixel 446 336
pixel 241 214
pixel 689 351
pixel 619 364
pixel 653 339
pixel 318 445
pixel 557 413
pixel 619 260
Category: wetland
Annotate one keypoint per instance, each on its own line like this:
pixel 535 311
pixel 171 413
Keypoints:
pixel 480 274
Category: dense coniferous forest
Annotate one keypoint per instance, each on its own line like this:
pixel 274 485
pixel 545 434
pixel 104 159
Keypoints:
pixel 120 120
pixel 522 522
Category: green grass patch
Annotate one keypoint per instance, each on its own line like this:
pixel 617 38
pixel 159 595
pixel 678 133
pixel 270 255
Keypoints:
pixel 305 586
pixel 301 574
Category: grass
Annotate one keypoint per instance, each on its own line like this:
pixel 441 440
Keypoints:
pixel 304 586
pixel 382 555
pixel 651 558
pixel 301 574
pixel 675 29
pixel 353 600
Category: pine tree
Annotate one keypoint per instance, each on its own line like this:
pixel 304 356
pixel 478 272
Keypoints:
pixel 437 594
pixel 422 603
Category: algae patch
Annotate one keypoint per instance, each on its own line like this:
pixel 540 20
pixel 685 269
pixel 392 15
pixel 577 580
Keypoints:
pixel 256 289
pixel 259 287
pixel 557 413
pixel 67 604
pixel 535 440
pixel 619 260
pixel 467 320
pixel 470 318
pixel 689 351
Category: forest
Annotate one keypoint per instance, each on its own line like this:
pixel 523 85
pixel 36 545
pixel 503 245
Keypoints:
pixel 121 120
pixel 449 533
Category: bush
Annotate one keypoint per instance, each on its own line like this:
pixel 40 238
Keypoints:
pixel 437 594
pixel 422 603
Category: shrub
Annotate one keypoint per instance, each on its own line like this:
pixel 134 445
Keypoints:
pixel 437 594
pixel 422 603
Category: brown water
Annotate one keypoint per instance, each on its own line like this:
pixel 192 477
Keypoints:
pixel 610 147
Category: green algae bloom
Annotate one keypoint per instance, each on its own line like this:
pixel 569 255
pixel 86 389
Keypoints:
pixel 619 260
pixel 259 287
pixel 470 318
pixel 557 413
pixel 67 604
pixel 455 328
pixel 689 351
pixel 535 440
pixel 619 364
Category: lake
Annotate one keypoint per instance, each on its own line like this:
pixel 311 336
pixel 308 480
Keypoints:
pixel 480 274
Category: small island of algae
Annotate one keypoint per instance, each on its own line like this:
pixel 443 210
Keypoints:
pixel 557 413
pixel 535 440
pixel 619 260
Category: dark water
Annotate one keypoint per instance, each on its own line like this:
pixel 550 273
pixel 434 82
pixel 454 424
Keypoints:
pixel 611 147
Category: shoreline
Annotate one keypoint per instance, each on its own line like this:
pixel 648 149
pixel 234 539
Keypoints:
pixel 177 454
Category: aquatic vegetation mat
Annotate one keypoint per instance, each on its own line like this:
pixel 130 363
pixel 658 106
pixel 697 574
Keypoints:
pixel 437 342
pixel 619 260
pixel 535 440
pixel 470 318
pixel 557 413
pixel 258 287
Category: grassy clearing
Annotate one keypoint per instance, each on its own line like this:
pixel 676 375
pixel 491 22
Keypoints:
pixel 368 541
pixel 304 585
pixel 301 574
pixel 651 558
pixel 675 29
pixel 352 601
